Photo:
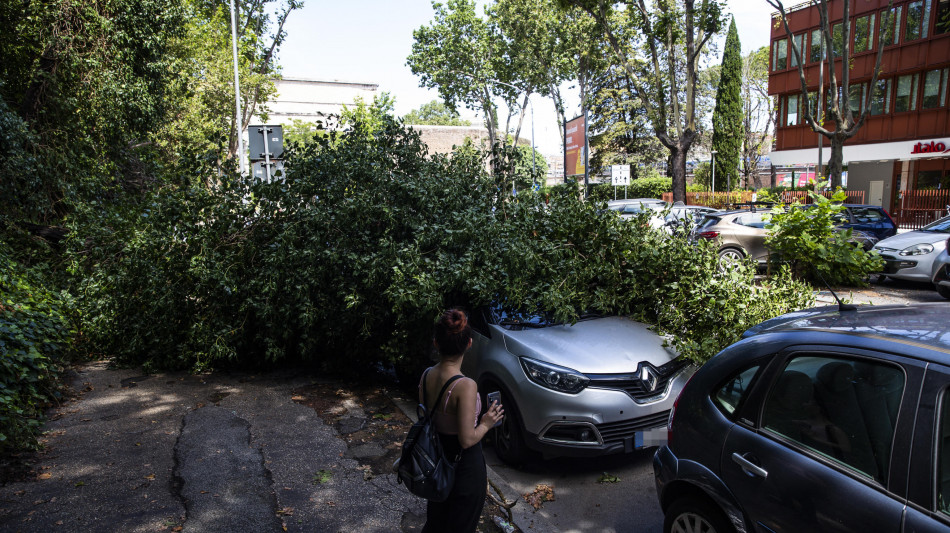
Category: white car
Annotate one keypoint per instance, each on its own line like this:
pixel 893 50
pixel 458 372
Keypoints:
pixel 910 256
pixel 941 277
pixel 634 206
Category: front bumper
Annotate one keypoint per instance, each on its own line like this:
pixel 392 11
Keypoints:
pixel 905 268
pixel 599 420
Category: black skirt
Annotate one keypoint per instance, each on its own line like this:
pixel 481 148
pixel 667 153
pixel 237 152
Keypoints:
pixel 460 512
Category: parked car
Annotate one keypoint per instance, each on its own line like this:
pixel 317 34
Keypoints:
pixel 629 208
pixel 910 256
pixel 941 267
pixel 820 420
pixel 872 219
pixel 682 217
pixel 742 233
pixel 603 385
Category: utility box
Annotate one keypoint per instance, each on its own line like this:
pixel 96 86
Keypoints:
pixel 265 138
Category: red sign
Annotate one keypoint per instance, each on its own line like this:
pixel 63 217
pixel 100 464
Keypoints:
pixel 930 148
pixel 575 142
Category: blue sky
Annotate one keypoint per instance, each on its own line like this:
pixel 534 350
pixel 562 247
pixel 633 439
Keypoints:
pixel 369 41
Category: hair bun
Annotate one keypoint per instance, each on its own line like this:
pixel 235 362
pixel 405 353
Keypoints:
pixel 456 321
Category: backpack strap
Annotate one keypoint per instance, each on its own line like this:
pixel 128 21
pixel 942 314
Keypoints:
pixel 425 401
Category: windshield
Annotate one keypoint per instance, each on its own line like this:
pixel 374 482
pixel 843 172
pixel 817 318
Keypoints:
pixel 515 319
pixel 940 226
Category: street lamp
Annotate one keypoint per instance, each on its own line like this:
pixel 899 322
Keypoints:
pixel 237 92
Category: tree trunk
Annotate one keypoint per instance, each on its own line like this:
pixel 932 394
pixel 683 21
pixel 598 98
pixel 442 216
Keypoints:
pixel 679 171
pixel 772 176
pixel 835 161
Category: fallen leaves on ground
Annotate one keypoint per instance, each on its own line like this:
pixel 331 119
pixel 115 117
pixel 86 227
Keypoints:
pixel 542 493
pixel 608 478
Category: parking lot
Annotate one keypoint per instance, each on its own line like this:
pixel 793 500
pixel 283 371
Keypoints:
pixel 617 494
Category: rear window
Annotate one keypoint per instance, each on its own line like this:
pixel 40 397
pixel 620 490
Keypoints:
pixel 864 215
pixel 707 221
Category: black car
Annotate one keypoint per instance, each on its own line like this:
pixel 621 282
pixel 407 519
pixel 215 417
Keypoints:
pixel 821 420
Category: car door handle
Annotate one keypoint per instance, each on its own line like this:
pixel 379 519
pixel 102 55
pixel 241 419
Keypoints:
pixel 749 467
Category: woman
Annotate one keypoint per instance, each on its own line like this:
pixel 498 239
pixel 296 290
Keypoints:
pixel 457 421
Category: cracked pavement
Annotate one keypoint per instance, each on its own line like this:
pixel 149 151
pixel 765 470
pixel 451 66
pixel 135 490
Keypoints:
pixel 182 452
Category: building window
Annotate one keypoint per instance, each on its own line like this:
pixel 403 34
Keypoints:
pixel 791 110
pixel 780 55
pixel 797 50
pixel 864 33
pixel 891 25
pixel 837 39
pixel 856 97
pixel 943 17
pixel 814 54
pixel 935 89
pixel 906 97
pixel 918 20
pixel 881 97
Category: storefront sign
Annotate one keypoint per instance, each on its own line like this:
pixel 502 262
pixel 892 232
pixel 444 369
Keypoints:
pixel 930 148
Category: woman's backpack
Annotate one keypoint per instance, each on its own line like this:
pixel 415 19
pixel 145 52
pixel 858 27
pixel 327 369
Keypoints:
pixel 423 466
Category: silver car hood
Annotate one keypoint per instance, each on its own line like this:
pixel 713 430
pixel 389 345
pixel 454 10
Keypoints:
pixel 608 345
pixel 903 240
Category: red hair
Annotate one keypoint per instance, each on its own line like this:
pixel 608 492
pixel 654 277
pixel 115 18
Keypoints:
pixel 452 332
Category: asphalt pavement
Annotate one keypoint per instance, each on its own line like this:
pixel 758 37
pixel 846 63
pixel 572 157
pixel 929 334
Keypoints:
pixel 203 453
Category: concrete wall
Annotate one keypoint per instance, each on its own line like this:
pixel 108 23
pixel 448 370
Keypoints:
pixel 311 100
pixel 441 139
pixel 862 173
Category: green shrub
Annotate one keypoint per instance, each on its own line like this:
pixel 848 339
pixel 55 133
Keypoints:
pixel 807 240
pixel 34 337
pixel 346 262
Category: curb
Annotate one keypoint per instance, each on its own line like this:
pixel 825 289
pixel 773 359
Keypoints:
pixel 518 514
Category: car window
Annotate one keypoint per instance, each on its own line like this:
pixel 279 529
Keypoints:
pixel 866 215
pixel 708 221
pixel 730 394
pixel 940 226
pixel 943 456
pixel 845 410
pixel 752 220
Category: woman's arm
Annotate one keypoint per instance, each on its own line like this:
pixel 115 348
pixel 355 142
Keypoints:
pixel 470 432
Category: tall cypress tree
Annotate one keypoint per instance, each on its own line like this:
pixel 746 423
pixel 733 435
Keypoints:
pixel 727 117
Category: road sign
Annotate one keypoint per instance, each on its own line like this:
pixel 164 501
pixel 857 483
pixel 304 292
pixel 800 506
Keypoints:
pixel 266 142
pixel 620 175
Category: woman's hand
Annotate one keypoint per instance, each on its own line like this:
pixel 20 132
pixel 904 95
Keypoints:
pixel 494 414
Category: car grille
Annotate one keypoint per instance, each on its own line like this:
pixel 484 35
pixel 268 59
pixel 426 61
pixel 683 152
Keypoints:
pixel 613 432
pixel 631 383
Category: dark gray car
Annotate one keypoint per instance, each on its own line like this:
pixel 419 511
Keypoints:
pixel 819 420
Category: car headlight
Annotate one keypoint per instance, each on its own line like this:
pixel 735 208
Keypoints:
pixel 917 249
pixel 554 377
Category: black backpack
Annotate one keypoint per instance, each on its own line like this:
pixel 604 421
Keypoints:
pixel 423 466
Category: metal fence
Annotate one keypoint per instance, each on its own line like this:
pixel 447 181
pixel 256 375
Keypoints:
pixel 915 209
pixel 720 200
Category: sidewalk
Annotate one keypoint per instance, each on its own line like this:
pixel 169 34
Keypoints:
pixel 202 453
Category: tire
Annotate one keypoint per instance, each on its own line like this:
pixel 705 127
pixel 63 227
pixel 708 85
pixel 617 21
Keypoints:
pixel 692 515
pixel 509 436
pixel 943 291
pixel 730 255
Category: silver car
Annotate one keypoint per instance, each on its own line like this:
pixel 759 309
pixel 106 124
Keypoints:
pixel 941 267
pixel 629 208
pixel 603 385
pixel 910 256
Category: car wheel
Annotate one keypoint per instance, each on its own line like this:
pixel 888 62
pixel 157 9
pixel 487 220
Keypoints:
pixel 509 436
pixel 943 291
pixel 730 255
pixel 689 515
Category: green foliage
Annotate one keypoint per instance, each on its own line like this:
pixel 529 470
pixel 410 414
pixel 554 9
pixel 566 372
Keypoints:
pixel 435 113
pixel 728 115
pixel 34 337
pixel 702 176
pixel 346 262
pixel 806 239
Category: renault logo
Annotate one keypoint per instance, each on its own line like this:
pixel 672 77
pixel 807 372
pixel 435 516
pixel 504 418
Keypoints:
pixel 649 378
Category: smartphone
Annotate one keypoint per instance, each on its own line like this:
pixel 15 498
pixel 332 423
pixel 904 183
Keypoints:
pixel 491 398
